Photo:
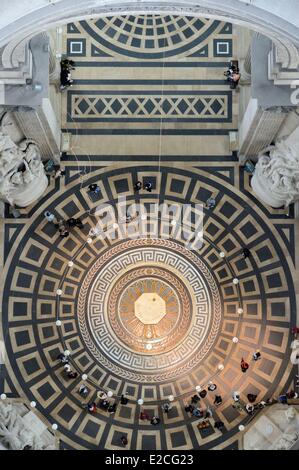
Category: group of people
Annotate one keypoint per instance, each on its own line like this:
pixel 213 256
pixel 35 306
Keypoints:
pixel 63 226
pixel 138 186
pixel 105 402
pixel 69 372
pixel 147 185
pixel 233 75
pixel 66 66
pixel 144 416
pixel 256 356
pixel 94 188
pixel 54 170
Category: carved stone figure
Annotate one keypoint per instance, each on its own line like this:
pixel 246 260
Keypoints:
pixel 22 176
pixel 276 177
pixel 14 434
pixel 290 413
pixel 286 441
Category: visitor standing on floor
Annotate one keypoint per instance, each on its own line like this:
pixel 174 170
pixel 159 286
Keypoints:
pixel 210 203
pixel 59 172
pixel 212 387
pixel 166 407
pixel 144 416
pixel 195 399
pixel 236 396
pixel 148 186
pixel 256 355
pixel 137 186
pixel 246 253
pixel 64 233
pixel 155 420
pixel 218 400
pixel 244 365
pixel 63 358
pixel 94 188
pixel 50 217
pixel 123 400
pixel 83 390
pixel 251 397
pixel 219 425
pixel 92 407
pixel 249 408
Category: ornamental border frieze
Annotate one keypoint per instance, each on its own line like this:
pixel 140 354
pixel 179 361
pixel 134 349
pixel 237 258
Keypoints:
pixel 125 355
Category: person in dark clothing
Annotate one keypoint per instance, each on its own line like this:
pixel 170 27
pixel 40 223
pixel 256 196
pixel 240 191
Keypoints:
pixel 218 400
pixel 148 187
pixel 251 397
pixel 212 387
pixel 112 408
pixel 203 393
pixel 166 407
pixel 283 399
pixel 62 358
pixel 92 407
pixel 256 356
pixel 137 186
pixel 71 222
pixel 83 391
pixel 219 425
pixel 246 253
pixel 249 408
pixel 79 223
pixel 68 64
pixel 195 399
pixel 244 365
pixel 124 441
pixel 72 375
pixel 197 412
pixel 155 420
pixel 59 172
pixel 123 400
pixel 64 233
pixel 208 413
pixel 93 187
pixel 144 416
pixel 104 404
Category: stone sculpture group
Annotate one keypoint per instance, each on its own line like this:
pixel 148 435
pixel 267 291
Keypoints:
pixel 14 434
pixel 276 177
pixel 22 176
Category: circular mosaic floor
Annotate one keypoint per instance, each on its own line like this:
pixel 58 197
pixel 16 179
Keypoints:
pixel 148 317
pixel 152 307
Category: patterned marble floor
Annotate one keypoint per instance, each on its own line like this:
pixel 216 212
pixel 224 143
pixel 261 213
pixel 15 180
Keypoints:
pixel 37 265
pixel 138 80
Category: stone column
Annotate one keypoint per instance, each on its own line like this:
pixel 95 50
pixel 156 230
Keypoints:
pixel 245 68
pixel 54 60
pixel 258 129
pixel 247 61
